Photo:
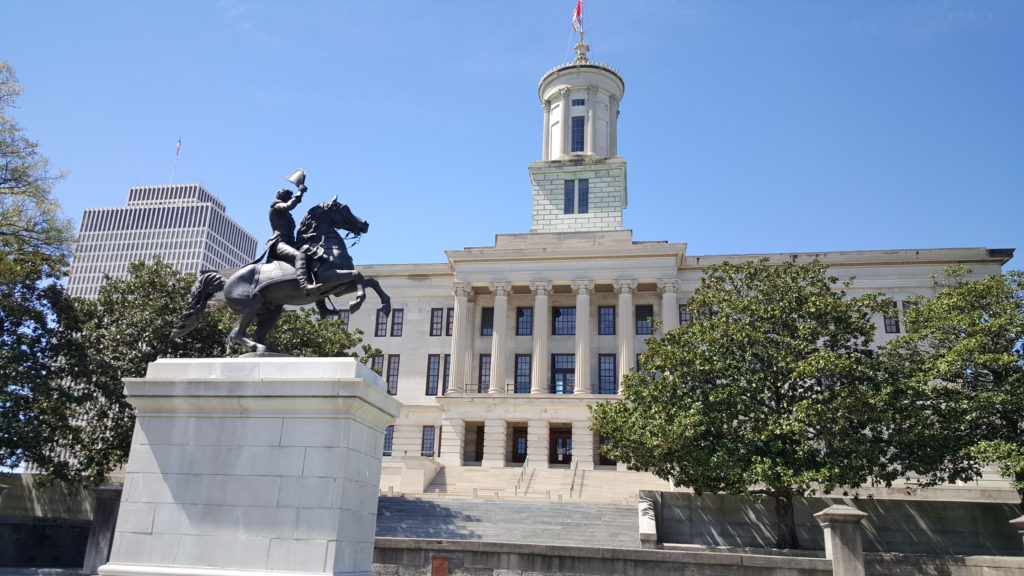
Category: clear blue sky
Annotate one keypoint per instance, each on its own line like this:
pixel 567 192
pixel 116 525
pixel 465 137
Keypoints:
pixel 748 127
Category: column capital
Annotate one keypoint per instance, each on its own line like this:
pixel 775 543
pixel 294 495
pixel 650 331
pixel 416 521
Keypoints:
pixel 564 92
pixel 461 289
pixel 624 286
pixel 501 288
pixel 540 288
pixel 582 287
pixel 668 286
pixel 591 91
pixel 546 105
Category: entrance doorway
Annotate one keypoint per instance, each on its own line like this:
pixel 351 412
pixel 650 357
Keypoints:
pixel 561 447
pixel 519 445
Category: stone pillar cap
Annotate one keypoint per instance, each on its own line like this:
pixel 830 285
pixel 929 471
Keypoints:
pixel 840 513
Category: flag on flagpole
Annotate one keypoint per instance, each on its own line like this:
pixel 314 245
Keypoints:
pixel 577 17
pixel 177 148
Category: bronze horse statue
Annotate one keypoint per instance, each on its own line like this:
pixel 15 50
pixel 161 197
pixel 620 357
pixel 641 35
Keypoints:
pixel 258 292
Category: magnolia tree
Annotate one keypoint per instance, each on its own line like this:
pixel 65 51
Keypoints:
pixel 771 389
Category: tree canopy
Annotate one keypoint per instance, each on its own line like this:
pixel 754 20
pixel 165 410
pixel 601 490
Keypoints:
pixel 772 388
pixel 34 248
pixel 962 368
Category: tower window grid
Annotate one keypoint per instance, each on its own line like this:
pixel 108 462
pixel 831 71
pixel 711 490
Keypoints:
pixel 392 377
pixel 483 374
pixel 524 369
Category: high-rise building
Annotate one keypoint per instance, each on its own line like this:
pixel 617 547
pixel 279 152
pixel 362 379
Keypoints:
pixel 184 224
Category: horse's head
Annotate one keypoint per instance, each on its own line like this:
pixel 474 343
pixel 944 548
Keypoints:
pixel 341 217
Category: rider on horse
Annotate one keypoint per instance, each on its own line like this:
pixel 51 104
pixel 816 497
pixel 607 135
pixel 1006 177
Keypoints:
pixel 283 244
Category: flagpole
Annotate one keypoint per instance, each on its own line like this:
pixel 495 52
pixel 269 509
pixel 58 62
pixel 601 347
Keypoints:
pixel 177 152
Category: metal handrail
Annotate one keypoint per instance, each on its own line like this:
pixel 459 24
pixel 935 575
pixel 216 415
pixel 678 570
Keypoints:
pixel 522 474
pixel 575 467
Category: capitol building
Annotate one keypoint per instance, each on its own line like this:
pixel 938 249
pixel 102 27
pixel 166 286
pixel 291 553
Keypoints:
pixel 497 353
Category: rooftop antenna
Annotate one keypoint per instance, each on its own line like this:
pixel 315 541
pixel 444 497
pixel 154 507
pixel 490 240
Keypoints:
pixel 177 152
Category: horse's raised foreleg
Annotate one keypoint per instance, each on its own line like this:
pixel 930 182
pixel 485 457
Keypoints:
pixel 385 300
pixel 356 304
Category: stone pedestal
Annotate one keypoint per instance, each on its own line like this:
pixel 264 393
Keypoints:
pixel 104 519
pixel 252 465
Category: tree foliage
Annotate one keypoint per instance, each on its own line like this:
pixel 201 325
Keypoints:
pixel 773 388
pixel 302 333
pixel 34 247
pixel 962 366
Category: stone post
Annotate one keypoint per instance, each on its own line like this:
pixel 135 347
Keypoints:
pixel 669 305
pixel 499 338
pixel 843 542
pixel 538 438
pixel 453 438
pixel 460 339
pixel 626 328
pixel 1018 524
pixel 582 288
pixel 583 444
pixel 252 467
pixel 541 333
pixel 104 519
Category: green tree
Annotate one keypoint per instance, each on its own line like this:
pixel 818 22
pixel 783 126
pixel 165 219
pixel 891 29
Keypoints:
pixel 303 333
pixel 34 248
pixel 961 366
pixel 772 389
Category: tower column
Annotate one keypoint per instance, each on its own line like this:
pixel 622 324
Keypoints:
pixel 460 338
pixel 566 122
pixel 499 338
pixel 613 123
pixel 582 288
pixel 625 326
pixel 669 304
pixel 590 135
pixel 546 139
pixel 541 330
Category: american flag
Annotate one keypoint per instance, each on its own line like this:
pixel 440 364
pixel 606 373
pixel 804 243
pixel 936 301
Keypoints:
pixel 577 17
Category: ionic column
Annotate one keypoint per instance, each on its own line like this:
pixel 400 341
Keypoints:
pixel 541 332
pixel 461 352
pixel 494 443
pixel 669 304
pixel 499 338
pixel 589 130
pixel 566 122
pixel 613 123
pixel 625 328
pixel 546 148
pixel 582 289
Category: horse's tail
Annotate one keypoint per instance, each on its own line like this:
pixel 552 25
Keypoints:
pixel 205 287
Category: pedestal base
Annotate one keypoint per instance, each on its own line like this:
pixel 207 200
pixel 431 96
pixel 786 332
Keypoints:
pixel 247 465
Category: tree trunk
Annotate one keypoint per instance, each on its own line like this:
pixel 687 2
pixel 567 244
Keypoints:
pixel 785 526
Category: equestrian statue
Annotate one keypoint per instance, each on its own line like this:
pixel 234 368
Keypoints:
pixel 304 266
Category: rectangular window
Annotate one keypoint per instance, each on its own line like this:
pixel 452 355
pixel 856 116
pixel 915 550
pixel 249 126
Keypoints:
pixel 343 317
pixel 389 440
pixel 892 322
pixel 392 377
pixel 381 328
pixel 583 194
pixel 427 447
pixel 397 320
pixel 447 373
pixel 483 375
pixel 577 133
pixel 487 322
pixel 450 322
pixel 645 319
pixel 684 314
pixel 563 373
pixel 377 365
pixel 607 380
pixel 578 101
pixel 606 320
pixel 569 197
pixel 524 365
pixel 524 321
pixel 564 321
pixel 436 321
pixel 433 373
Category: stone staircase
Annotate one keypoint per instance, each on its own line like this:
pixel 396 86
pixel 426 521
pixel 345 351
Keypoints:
pixel 542 484
pixel 562 523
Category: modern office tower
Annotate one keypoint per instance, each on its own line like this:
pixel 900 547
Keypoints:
pixel 183 224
